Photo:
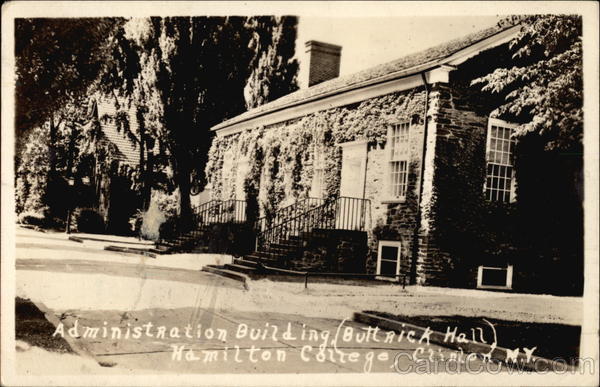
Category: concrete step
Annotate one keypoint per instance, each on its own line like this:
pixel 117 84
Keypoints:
pixel 265 255
pixel 252 257
pixel 258 259
pixel 245 262
pixel 130 250
pixel 220 270
pixel 159 250
pixel 282 245
pixel 199 249
pixel 240 268
pixel 293 242
pixel 167 244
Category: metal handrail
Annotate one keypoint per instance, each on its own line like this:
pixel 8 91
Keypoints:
pixel 306 274
pixel 204 209
pixel 231 210
pixel 211 212
pixel 342 213
pixel 285 213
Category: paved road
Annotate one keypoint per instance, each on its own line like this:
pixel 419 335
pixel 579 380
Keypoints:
pixel 180 327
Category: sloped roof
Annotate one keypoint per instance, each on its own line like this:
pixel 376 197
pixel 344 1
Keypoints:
pixel 129 151
pixel 400 67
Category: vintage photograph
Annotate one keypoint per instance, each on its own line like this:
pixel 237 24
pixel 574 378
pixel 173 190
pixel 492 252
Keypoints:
pixel 270 196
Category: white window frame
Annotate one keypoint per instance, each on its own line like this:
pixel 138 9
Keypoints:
pixel 381 244
pixel 317 188
pixel 509 277
pixel 389 197
pixel 504 124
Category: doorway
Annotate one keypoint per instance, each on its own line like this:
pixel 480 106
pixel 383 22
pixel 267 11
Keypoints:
pixel 352 185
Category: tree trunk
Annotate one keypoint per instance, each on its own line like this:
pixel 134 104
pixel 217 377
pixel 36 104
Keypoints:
pixel 52 145
pixel 183 183
pixel 70 159
pixel 143 166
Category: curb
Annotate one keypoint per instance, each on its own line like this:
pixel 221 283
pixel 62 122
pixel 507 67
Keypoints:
pixel 75 239
pixel 538 364
pixel 78 346
pixel 243 278
pixel 130 250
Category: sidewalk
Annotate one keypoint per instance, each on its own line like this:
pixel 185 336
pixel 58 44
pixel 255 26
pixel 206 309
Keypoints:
pixel 52 245
pixel 319 300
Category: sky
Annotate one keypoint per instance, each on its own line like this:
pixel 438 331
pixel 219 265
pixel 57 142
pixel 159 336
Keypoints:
pixel 369 41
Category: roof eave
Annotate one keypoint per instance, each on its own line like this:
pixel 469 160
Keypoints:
pixel 370 82
pixel 453 59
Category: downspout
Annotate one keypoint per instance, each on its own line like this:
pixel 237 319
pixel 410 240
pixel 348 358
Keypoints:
pixel 364 188
pixel 418 213
pixel 363 216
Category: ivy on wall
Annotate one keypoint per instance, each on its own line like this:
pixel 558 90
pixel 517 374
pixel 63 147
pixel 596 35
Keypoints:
pixel 214 165
pixel 281 156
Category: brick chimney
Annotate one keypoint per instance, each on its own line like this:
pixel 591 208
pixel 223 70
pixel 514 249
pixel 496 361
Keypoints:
pixel 322 63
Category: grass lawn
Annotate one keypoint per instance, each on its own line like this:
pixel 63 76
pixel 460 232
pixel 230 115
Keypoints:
pixel 32 327
pixel 552 340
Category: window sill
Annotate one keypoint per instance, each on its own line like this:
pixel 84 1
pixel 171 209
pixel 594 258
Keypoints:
pixel 386 278
pixel 493 287
pixel 392 201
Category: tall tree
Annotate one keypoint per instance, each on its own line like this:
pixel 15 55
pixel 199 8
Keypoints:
pixel 56 62
pixel 274 68
pixel 124 80
pixel 198 68
pixel 545 88
pixel 544 91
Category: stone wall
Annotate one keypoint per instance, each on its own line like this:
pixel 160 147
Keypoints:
pixel 395 220
pixel 333 251
pixel 456 182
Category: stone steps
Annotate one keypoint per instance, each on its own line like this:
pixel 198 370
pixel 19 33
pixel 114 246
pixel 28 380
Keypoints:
pixel 183 243
pixel 258 259
pixel 245 262
pixel 240 268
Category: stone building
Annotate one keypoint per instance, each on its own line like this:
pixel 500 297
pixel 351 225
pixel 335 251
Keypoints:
pixel 412 141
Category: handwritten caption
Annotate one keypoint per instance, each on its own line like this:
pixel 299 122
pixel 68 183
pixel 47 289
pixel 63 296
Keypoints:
pixel 272 343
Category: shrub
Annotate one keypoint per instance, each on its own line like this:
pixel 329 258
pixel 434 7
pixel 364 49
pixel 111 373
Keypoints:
pixel 89 220
pixel 167 203
pixel 41 218
pixel 32 218
pixel 32 172
pixel 159 220
pixel 148 223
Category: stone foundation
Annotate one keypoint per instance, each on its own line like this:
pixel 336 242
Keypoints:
pixel 334 251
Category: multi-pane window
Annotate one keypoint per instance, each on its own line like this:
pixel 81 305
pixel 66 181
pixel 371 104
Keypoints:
pixel 499 184
pixel 398 141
